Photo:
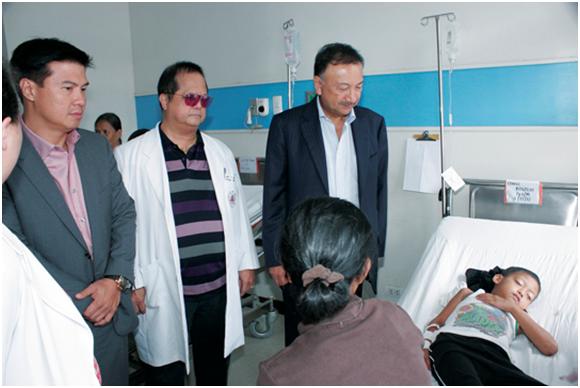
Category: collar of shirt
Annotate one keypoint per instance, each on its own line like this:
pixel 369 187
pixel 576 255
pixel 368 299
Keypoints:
pixel 349 313
pixel 169 146
pixel 351 116
pixel 43 147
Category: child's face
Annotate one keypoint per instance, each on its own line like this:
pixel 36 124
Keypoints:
pixel 518 286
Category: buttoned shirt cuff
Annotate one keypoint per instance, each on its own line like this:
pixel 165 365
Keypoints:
pixel 138 283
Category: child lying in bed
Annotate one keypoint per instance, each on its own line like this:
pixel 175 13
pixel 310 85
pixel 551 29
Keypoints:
pixel 468 342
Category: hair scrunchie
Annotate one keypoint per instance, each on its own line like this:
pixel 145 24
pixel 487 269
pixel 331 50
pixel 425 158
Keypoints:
pixel 321 272
pixel 476 278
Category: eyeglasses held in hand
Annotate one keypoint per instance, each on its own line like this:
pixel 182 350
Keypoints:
pixel 191 99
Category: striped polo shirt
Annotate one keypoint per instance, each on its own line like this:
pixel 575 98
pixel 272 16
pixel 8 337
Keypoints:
pixel 198 220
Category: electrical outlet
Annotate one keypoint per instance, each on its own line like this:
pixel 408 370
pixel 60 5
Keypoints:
pixel 393 292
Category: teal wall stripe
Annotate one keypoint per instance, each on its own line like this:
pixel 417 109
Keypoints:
pixel 527 95
pixel 517 95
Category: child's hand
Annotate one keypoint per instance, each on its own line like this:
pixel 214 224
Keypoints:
pixel 497 301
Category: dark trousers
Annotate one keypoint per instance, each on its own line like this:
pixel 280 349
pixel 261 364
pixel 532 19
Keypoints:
pixel 170 374
pixel 112 354
pixel 290 293
pixel 206 326
pixel 459 360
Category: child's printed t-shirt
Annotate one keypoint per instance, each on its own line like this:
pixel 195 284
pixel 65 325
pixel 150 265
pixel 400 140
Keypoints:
pixel 473 318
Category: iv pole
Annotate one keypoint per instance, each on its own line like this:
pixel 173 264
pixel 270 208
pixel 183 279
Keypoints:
pixel 285 26
pixel 290 88
pixel 445 208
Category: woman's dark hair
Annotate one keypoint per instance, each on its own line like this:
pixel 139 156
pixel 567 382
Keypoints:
pixel 477 279
pixel 137 133
pixel 9 99
pixel 30 58
pixel 110 118
pixel 331 232
pixel 335 54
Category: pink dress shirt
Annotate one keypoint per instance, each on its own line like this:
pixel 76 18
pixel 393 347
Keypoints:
pixel 62 165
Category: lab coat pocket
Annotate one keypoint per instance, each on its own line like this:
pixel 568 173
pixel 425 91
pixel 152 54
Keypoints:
pixel 152 282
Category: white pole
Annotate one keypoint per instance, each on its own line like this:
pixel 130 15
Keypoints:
pixel 290 91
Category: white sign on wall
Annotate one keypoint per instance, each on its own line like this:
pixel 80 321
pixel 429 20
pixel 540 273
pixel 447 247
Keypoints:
pixel 523 192
pixel 248 165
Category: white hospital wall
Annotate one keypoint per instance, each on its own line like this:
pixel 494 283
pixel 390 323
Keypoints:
pixel 241 43
pixel 101 30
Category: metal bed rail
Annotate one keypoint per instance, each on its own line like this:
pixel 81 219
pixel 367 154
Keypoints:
pixel 559 203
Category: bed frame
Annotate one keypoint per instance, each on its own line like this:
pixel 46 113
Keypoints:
pixel 559 207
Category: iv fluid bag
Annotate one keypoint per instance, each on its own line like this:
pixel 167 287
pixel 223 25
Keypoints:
pixel 451 43
pixel 292 47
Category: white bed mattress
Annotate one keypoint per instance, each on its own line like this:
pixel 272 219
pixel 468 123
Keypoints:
pixel 253 196
pixel 549 250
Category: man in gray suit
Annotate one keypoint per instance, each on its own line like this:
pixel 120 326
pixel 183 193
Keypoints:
pixel 66 199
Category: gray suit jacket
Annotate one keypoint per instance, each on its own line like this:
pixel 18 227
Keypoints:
pixel 35 210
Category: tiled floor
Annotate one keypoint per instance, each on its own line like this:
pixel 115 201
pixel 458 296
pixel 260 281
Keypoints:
pixel 244 361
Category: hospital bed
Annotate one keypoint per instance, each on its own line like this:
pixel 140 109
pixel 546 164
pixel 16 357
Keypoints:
pixel 484 242
pixel 259 311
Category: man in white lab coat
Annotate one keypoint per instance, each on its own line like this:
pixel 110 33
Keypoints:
pixel 195 249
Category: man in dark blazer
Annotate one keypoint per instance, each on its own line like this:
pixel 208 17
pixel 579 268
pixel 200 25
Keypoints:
pixel 67 202
pixel 327 147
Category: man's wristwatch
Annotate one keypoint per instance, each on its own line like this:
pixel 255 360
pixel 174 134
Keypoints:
pixel 123 284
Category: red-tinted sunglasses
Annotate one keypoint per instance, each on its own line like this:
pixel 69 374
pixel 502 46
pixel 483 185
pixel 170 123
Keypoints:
pixel 191 99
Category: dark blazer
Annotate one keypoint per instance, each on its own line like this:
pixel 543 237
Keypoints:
pixel 35 210
pixel 296 170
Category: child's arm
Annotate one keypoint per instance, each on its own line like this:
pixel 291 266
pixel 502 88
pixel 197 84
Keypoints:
pixel 539 336
pixel 446 312
pixel 535 333
pixel 440 320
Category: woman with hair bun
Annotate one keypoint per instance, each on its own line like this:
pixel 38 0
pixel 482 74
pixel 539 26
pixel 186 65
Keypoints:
pixel 325 247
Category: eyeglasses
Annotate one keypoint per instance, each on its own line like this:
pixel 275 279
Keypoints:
pixel 191 99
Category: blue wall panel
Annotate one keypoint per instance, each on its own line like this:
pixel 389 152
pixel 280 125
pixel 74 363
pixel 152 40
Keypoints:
pixel 517 95
pixel 148 111
pixel 529 95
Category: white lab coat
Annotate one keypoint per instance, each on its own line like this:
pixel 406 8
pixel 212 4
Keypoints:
pixel 45 340
pixel 162 336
